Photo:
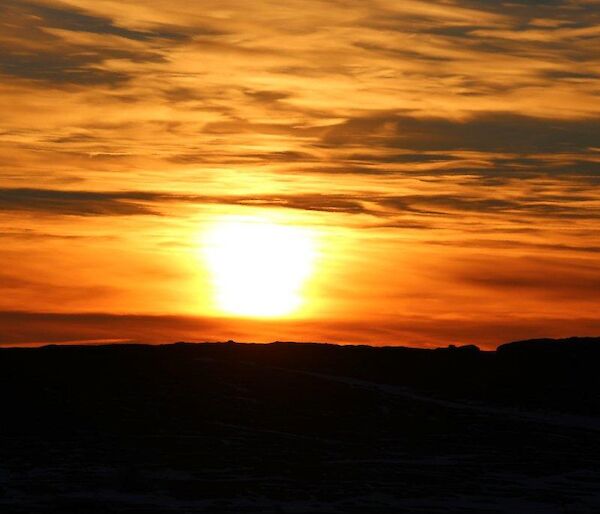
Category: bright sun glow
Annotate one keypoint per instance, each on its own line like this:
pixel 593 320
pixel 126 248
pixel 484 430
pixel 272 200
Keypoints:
pixel 258 267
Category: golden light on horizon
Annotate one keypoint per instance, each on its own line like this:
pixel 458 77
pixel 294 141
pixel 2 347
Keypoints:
pixel 258 267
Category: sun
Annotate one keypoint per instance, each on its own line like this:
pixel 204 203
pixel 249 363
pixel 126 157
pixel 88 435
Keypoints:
pixel 258 267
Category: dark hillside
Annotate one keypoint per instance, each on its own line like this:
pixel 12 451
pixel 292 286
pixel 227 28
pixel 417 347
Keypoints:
pixel 301 428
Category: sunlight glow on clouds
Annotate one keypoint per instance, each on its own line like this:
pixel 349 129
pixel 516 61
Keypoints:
pixel 449 150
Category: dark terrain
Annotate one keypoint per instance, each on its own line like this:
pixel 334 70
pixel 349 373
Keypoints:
pixel 293 428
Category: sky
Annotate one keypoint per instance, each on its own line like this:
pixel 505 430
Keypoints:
pixel 353 171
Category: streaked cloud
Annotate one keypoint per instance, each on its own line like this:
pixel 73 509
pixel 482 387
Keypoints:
pixel 459 141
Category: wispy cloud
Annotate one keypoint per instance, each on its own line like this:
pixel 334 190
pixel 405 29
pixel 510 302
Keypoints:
pixel 430 132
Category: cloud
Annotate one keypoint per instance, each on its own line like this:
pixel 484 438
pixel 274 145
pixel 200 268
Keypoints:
pixel 62 16
pixel 23 327
pixel 59 69
pixel 34 327
pixel 128 203
pixel 71 19
pixel 75 203
pixel 35 235
pixel 538 276
pixel 504 244
pixel 423 207
pixel 432 126
pixel 66 45
pixel 542 207
pixel 309 202
pixel 484 132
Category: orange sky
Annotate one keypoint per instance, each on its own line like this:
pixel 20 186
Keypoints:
pixel 442 159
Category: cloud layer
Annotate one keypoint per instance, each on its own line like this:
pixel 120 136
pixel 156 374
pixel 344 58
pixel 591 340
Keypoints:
pixel 457 141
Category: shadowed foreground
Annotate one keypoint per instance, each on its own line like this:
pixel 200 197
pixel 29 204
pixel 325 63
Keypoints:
pixel 301 428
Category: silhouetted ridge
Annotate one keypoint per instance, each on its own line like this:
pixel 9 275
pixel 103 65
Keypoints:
pixel 288 427
pixel 569 345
